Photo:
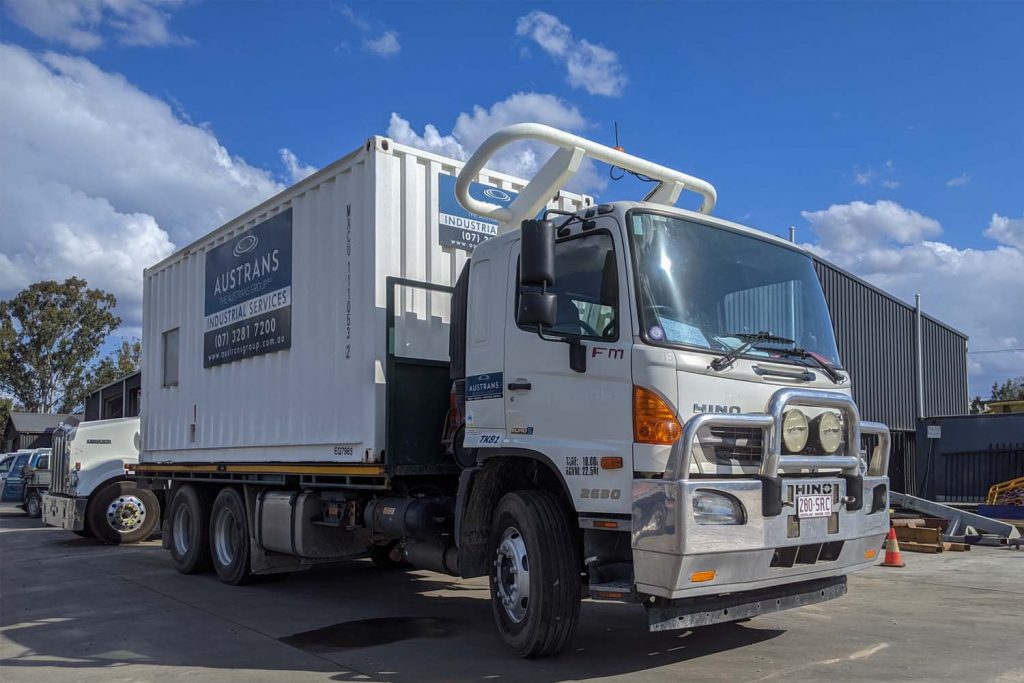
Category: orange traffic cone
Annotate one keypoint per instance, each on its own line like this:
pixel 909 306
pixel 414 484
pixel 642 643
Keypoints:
pixel 893 557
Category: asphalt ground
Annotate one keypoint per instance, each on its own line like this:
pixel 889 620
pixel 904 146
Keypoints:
pixel 74 610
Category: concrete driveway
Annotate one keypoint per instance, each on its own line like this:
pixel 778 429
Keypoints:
pixel 74 610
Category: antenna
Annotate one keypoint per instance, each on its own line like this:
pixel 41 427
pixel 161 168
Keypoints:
pixel 618 147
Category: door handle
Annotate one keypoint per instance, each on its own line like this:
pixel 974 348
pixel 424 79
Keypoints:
pixel 519 386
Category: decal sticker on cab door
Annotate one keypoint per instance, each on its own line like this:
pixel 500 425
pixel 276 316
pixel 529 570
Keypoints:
pixel 483 438
pixel 479 387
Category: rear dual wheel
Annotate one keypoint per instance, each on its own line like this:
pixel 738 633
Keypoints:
pixel 188 524
pixel 229 537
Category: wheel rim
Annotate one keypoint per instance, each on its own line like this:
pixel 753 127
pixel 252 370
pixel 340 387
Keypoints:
pixel 512 575
pixel 225 537
pixel 180 530
pixel 126 514
pixel 33 505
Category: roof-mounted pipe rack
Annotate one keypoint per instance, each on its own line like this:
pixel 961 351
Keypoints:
pixel 562 166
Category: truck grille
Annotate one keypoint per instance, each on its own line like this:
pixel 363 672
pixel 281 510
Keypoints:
pixel 59 466
pixel 736 443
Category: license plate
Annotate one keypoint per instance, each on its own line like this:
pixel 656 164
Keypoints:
pixel 813 506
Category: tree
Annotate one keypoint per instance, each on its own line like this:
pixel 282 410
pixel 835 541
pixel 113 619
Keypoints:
pixel 49 335
pixel 124 360
pixel 977 405
pixel 6 408
pixel 1010 390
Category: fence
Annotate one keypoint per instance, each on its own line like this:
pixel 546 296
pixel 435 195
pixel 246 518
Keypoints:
pixel 965 477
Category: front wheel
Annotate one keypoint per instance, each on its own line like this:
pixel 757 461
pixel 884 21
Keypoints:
pixel 121 512
pixel 535 574
pixel 33 505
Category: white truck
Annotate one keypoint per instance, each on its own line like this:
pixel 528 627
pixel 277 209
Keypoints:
pixel 626 401
pixel 90 493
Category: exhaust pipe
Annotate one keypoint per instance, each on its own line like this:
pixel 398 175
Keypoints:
pixel 439 557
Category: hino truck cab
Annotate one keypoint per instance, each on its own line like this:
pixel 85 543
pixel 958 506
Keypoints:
pixel 679 375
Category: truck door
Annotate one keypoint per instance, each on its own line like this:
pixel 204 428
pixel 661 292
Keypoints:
pixel 577 418
pixel 14 483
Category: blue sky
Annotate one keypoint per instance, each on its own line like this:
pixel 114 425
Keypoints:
pixel 889 134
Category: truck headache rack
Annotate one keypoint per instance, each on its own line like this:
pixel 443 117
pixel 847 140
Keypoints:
pixel 562 166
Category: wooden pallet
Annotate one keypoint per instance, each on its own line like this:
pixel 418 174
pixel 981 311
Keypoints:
pixel 915 537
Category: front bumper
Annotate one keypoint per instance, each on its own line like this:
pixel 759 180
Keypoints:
pixel 673 555
pixel 64 512
pixel 667 615
pixel 669 547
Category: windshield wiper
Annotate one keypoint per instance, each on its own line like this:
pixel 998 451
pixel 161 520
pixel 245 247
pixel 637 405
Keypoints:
pixel 749 341
pixel 804 354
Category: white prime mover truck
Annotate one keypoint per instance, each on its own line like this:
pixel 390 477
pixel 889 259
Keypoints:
pixel 90 492
pixel 627 401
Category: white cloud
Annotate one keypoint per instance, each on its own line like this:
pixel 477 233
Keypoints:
pixel 386 45
pixel 99 179
pixel 897 249
pixel 857 227
pixel 960 180
pixel 78 23
pixel 1006 230
pixel 354 18
pixel 592 67
pixel 868 176
pixel 523 159
pixel 295 168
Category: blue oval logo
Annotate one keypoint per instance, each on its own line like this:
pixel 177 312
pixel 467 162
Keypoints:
pixel 500 195
pixel 245 245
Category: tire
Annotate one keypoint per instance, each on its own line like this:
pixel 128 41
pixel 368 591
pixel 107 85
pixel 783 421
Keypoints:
pixel 188 523
pixel 84 533
pixel 121 513
pixel 381 557
pixel 33 505
pixel 536 614
pixel 229 538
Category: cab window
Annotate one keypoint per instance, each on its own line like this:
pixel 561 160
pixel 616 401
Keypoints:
pixel 586 287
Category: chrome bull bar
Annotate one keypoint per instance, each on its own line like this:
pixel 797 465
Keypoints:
pixel 773 462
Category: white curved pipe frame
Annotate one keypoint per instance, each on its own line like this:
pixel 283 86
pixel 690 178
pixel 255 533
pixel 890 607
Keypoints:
pixel 562 166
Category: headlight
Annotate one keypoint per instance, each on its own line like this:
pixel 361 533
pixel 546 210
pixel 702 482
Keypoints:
pixel 710 507
pixel 794 430
pixel 830 432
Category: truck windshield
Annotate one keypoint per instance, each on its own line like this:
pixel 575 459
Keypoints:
pixel 703 286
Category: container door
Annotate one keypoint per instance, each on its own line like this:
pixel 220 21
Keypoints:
pixel 577 418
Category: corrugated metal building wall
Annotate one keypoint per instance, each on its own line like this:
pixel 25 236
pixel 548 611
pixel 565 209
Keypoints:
pixel 875 333
pixel 120 398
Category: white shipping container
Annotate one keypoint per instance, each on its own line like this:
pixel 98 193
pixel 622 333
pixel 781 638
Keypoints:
pixel 304 273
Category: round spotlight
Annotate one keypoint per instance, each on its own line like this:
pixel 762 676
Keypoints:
pixel 830 431
pixel 794 430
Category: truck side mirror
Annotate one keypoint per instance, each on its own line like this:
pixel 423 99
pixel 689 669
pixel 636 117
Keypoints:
pixel 537 308
pixel 537 254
